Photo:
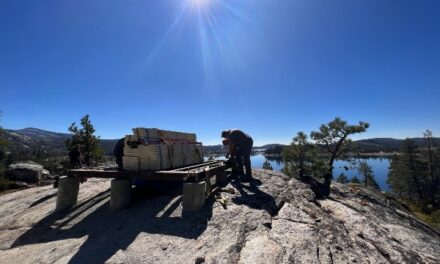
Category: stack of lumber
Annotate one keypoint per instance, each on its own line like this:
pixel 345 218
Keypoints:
pixel 156 149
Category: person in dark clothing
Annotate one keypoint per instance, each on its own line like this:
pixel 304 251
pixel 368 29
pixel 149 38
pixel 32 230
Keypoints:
pixel 75 157
pixel 240 148
pixel 118 152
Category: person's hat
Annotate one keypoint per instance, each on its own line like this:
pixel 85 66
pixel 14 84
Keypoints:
pixel 225 133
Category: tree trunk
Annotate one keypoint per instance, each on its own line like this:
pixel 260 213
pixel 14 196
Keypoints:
pixel 416 181
pixel 431 175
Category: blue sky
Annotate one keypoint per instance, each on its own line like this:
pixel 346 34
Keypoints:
pixel 271 68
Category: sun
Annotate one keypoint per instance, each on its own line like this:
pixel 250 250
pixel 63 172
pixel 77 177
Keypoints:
pixel 200 3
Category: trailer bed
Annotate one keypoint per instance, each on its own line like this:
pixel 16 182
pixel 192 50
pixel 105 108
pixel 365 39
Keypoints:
pixel 193 173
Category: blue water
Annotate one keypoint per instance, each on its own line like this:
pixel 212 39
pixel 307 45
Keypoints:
pixel 379 166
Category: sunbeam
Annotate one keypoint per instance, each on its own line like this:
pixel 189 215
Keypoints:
pixel 207 19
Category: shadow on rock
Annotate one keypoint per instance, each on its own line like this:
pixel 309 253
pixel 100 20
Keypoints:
pixel 43 199
pixel 107 231
pixel 253 197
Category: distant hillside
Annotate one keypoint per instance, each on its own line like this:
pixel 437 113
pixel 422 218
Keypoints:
pixel 214 149
pixel 372 145
pixel 32 141
pixel 388 144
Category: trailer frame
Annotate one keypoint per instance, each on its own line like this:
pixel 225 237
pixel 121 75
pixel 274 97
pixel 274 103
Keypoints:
pixel 196 179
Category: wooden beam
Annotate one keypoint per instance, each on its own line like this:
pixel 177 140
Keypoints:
pixel 208 163
pixel 192 173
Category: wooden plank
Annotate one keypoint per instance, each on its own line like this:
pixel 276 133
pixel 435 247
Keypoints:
pixel 208 163
pixel 146 175
pixel 195 174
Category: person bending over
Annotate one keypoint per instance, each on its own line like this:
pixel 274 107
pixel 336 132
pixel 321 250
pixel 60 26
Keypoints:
pixel 240 148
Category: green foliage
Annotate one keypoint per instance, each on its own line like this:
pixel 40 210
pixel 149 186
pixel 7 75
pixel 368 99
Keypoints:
pixel 274 150
pixel 84 136
pixel 301 158
pixel 355 180
pixel 333 136
pixel 3 150
pixel 267 166
pixel 414 175
pixel 431 156
pixel 366 173
pixel 432 218
pixel 342 179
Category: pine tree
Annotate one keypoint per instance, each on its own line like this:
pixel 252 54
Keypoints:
pixel 355 180
pixel 3 145
pixel 366 172
pixel 342 179
pixel 84 136
pixel 432 168
pixel 398 177
pixel 300 157
pixel 407 176
pixel 333 136
pixel 267 165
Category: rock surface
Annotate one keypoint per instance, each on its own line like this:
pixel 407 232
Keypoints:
pixel 279 221
pixel 28 171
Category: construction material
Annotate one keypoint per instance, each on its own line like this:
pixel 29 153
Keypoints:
pixel 155 149
pixel 120 194
pixel 67 195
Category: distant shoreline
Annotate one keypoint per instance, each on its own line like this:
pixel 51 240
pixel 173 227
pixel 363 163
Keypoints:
pixel 361 155
pixel 279 156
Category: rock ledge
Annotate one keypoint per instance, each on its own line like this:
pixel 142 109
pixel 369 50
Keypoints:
pixel 279 221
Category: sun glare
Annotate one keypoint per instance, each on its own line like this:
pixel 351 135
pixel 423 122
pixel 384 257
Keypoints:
pixel 206 17
pixel 200 2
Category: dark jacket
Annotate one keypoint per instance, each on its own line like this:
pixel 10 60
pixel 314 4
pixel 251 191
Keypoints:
pixel 239 138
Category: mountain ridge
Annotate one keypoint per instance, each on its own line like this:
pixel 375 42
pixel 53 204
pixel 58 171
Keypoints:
pixel 52 143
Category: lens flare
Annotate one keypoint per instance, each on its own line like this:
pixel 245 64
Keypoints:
pixel 208 19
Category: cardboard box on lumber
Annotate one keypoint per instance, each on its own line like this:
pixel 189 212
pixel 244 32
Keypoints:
pixel 154 134
pixel 161 149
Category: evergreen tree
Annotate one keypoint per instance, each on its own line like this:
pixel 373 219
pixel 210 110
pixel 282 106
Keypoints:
pixel 342 179
pixel 274 150
pixel 407 176
pixel 3 145
pixel 84 136
pixel 399 177
pixel 367 175
pixel 355 180
pixel 267 166
pixel 433 164
pixel 333 136
pixel 300 157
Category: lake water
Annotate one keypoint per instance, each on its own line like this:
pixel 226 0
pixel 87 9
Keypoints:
pixel 379 165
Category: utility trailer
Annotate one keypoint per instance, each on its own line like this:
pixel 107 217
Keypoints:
pixel 199 182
